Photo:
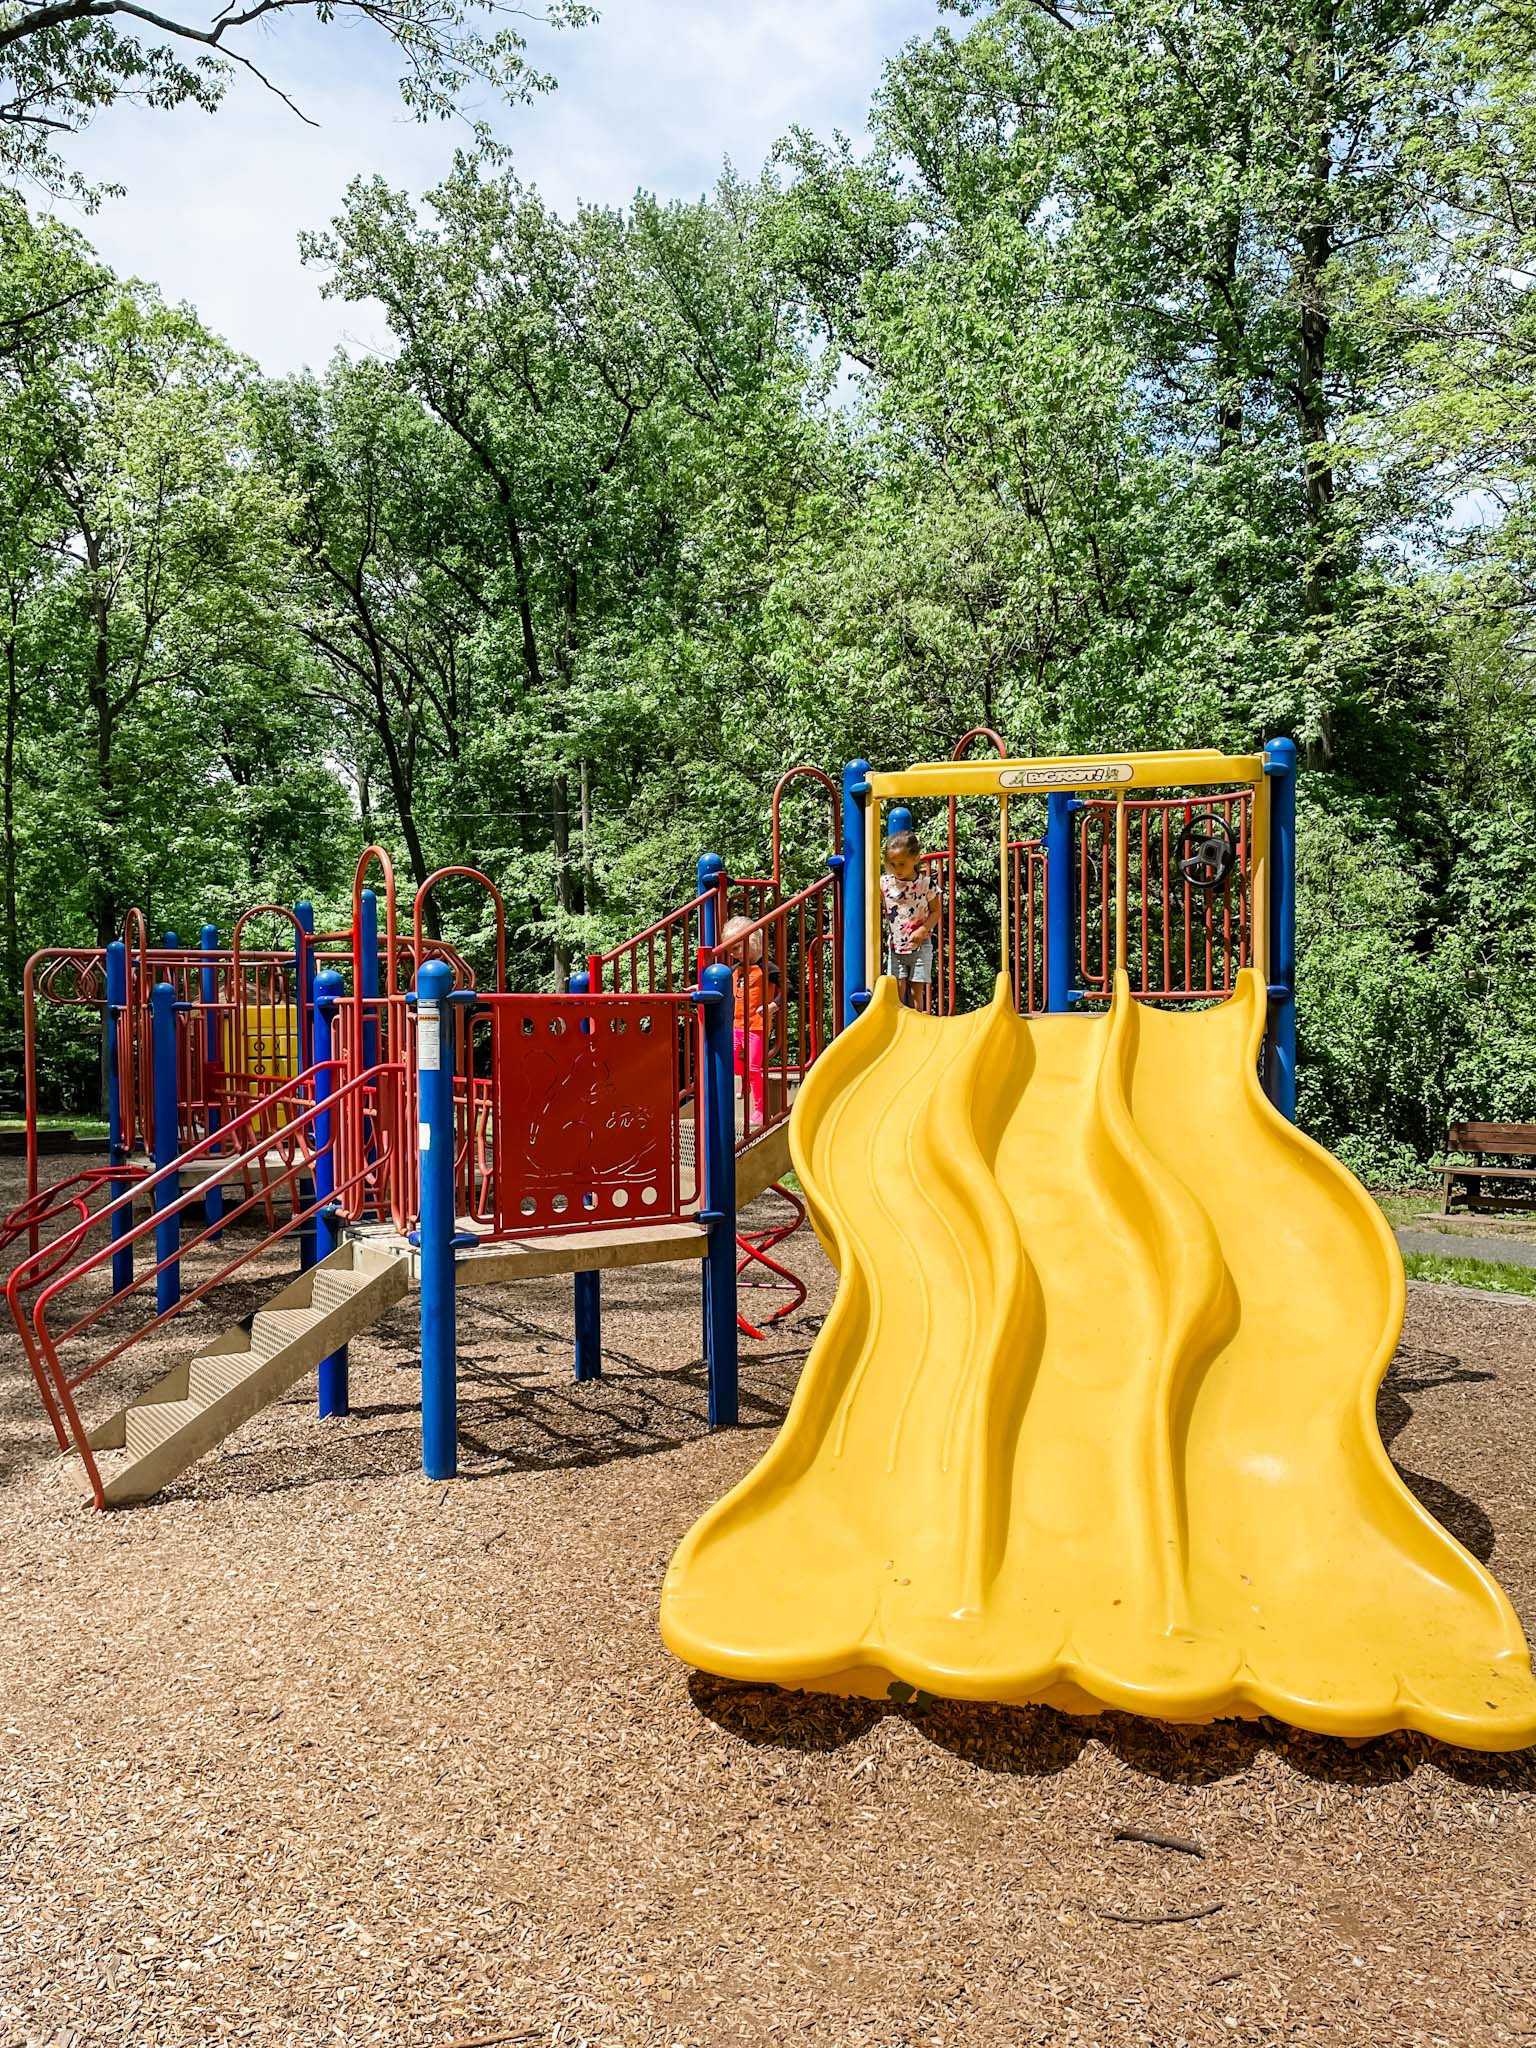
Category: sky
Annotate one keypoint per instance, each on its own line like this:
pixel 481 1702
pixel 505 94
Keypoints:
pixel 658 94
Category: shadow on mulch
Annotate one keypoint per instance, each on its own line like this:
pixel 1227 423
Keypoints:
pixel 1415 1371
pixel 511 1419
pixel 1039 1742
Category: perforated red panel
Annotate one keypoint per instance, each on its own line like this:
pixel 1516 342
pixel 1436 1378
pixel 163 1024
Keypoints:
pixel 586 1117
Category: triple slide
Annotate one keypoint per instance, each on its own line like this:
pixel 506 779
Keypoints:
pixel 1092 1421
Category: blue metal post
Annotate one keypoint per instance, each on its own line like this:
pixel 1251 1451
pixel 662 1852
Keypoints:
pixel 589 1286
pixel 1060 909
pixel 213 1199
pixel 171 942
pixel 719 1212
pixel 1280 1044
pixel 897 819
pixel 304 978
pixel 328 991
pixel 162 1012
pixel 122 1219
pixel 439 1317
pixel 711 868
pixel 855 891
pixel 304 1015
pixel 368 956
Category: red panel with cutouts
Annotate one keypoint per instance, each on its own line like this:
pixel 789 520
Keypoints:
pixel 588 1129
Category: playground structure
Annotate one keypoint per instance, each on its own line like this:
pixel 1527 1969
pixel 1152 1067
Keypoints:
pixel 1098 1383
pixel 354 1090
pixel 1092 1420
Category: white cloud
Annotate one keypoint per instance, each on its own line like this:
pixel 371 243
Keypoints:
pixel 658 94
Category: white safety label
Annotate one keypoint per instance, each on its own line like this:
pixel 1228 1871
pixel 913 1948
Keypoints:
pixel 1066 775
pixel 429 1039
pixel 424 1137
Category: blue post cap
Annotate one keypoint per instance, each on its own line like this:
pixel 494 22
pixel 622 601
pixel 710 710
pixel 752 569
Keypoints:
pixel 897 819
pixel 117 975
pixel 711 868
pixel 1279 757
pixel 209 936
pixel 329 986
pixel 579 984
pixel 304 911
pixel 171 942
pixel 715 983
pixel 434 981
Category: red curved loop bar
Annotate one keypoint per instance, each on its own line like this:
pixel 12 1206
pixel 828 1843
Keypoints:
pixel 470 875
pixel 980 732
pixel 375 855
pixel 833 792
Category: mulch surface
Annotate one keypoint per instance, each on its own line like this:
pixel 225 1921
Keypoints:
pixel 312 1751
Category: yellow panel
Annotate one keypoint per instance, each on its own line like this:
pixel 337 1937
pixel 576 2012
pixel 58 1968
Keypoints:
pixel 1092 1421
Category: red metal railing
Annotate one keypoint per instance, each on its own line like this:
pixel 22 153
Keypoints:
pixel 788 970
pixel 38 1289
pixel 1182 944
pixel 1027 927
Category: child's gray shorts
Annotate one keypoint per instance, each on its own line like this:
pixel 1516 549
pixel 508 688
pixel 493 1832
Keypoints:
pixel 916 966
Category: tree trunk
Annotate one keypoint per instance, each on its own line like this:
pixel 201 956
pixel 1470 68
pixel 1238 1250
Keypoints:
pixel 560 809
pixel 1315 251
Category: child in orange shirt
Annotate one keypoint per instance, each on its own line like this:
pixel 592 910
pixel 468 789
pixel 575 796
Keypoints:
pixel 757 1005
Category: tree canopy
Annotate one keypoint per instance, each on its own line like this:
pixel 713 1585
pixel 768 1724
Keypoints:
pixel 1159 374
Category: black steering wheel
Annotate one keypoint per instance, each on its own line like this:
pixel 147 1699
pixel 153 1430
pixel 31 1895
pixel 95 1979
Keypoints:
pixel 1206 852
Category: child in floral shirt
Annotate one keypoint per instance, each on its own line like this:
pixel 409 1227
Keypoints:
pixel 912 901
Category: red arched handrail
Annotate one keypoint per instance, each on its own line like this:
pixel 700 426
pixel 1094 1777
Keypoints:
pixel 833 792
pixel 469 875
pixel 377 855
pixel 979 732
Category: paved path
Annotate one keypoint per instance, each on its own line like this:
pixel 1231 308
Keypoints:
pixel 1497 1251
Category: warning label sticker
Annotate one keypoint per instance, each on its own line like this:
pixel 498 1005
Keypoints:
pixel 1066 775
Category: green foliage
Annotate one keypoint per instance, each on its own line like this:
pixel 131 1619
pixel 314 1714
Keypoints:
pixel 1158 375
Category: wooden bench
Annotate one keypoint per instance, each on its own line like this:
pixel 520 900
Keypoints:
pixel 1487 1141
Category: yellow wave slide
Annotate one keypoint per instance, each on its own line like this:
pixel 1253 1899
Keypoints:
pixel 1092 1421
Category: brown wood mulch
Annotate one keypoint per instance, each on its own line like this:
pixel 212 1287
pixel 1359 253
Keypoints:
pixel 310 1751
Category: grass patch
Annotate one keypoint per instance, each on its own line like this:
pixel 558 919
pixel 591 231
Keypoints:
pixel 1405 1206
pixel 82 1126
pixel 1483 1273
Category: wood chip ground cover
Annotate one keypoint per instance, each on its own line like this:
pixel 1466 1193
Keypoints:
pixel 310 1751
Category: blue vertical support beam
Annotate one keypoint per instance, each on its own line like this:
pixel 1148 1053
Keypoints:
pixel 304 978
pixel 589 1326
pixel 304 1018
pixel 1060 908
pixel 439 1308
pixel 122 1219
pixel 328 992
pixel 1280 1044
pixel 368 984
pixel 719 1213
pixel 711 872
pixel 162 1014
pixel 589 1286
pixel 856 855
pixel 213 1199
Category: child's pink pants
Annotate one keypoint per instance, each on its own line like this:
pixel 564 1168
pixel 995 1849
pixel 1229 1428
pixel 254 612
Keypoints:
pixel 749 1061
